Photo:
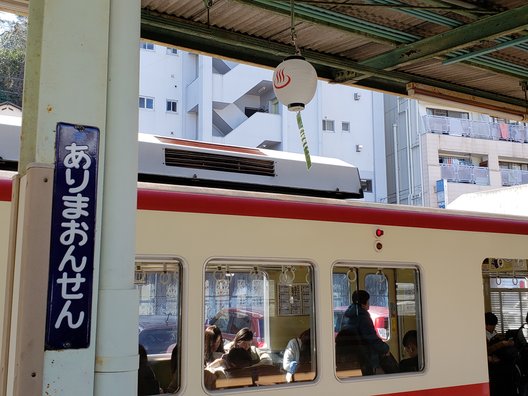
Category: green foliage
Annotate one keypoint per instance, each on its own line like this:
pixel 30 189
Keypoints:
pixel 12 58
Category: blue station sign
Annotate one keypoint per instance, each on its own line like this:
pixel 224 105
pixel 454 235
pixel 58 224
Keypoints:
pixel 70 281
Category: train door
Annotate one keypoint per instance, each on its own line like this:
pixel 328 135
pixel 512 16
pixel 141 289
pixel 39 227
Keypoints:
pixel 394 310
pixel 505 285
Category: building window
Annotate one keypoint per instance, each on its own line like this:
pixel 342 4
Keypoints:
pixel 146 103
pixel 172 51
pixel 394 299
pixel 172 106
pixel 447 113
pixel 276 302
pixel 345 126
pixel 146 46
pixel 328 125
pixel 513 165
pixel 366 185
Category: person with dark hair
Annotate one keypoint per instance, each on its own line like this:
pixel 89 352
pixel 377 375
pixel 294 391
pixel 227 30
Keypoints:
pixel 238 358
pixel 298 351
pixel 496 341
pixel 244 339
pixel 501 356
pixel 174 384
pixel 241 353
pixel 491 320
pixel 357 325
pixel 213 344
pixel 410 345
pixel 147 381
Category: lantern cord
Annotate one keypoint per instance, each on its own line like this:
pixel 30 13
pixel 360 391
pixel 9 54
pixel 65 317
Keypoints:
pixel 208 4
pixel 304 141
pixel 293 33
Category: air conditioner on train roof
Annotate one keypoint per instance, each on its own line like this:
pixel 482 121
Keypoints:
pixel 179 161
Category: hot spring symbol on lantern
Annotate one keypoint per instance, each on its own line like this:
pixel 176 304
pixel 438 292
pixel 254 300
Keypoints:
pixel 294 83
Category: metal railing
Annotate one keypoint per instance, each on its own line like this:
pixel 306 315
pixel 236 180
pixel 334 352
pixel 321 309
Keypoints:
pixel 465 174
pixel 475 129
pixel 513 177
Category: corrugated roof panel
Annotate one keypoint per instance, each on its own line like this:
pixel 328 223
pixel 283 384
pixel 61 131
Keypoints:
pixel 395 42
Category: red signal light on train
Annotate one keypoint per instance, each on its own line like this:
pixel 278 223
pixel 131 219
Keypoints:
pixel 379 232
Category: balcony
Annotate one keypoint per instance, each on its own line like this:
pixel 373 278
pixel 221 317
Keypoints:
pixel 465 174
pixel 513 177
pixel 475 129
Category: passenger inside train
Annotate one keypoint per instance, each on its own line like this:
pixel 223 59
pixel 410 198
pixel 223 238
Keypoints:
pixel 410 345
pixel 274 302
pixel 502 355
pixel 360 328
pixel 297 353
pixel 213 344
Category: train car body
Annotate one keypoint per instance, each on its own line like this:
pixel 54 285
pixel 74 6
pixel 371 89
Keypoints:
pixel 281 258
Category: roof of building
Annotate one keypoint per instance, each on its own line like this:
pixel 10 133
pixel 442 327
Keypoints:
pixel 10 114
pixel 508 200
pixel 469 51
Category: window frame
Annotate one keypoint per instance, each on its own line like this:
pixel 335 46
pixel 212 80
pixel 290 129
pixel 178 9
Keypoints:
pixel 173 103
pixel 163 266
pixel 146 100
pixel 147 45
pixel 222 268
pixel 356 273
pixel 328 125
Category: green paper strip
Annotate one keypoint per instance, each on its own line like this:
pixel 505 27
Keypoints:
pixel 304 141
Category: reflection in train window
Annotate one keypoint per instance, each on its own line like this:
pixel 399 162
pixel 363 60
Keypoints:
pixel 265 313
pixel 159 284
pixel 377 322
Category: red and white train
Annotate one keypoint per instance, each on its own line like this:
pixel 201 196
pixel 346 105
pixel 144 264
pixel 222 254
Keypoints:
pixel 280 264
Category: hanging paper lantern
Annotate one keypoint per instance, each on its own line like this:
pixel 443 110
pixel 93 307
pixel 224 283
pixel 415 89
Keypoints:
pixel 294 82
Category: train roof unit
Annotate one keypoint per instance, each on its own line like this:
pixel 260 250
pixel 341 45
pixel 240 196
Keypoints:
pixel 188 162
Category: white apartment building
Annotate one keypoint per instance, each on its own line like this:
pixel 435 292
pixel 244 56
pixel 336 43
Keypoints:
pixel 443 152
pixel 191 96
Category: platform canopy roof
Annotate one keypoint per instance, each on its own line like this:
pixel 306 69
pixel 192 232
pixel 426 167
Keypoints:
pixel 474 52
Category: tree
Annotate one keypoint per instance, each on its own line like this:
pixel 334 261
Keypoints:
pixel 12 58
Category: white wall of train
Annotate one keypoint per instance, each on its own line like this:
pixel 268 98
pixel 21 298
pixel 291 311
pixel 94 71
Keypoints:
pixel 199 225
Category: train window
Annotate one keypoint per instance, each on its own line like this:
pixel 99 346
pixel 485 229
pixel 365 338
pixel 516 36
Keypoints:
pixel 159 284
pixel 265 314
pixel 377 321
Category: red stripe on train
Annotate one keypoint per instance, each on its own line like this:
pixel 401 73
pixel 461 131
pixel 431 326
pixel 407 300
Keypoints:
pixel 202 203
pixel 5 189
pixel 462 390
pixel 245 206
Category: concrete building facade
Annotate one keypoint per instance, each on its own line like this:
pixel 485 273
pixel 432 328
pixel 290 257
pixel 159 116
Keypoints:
pixel 191 96
pixel 437 153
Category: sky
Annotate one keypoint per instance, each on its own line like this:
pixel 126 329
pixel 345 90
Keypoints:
pixel 6 16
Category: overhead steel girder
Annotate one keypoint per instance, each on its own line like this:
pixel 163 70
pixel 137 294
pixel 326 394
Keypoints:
pixel 488 28
pixel 324 17
pixel 212 40
pixel 416 48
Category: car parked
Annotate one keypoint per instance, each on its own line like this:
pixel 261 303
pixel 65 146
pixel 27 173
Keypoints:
pixel 231 320
pixel 158 333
